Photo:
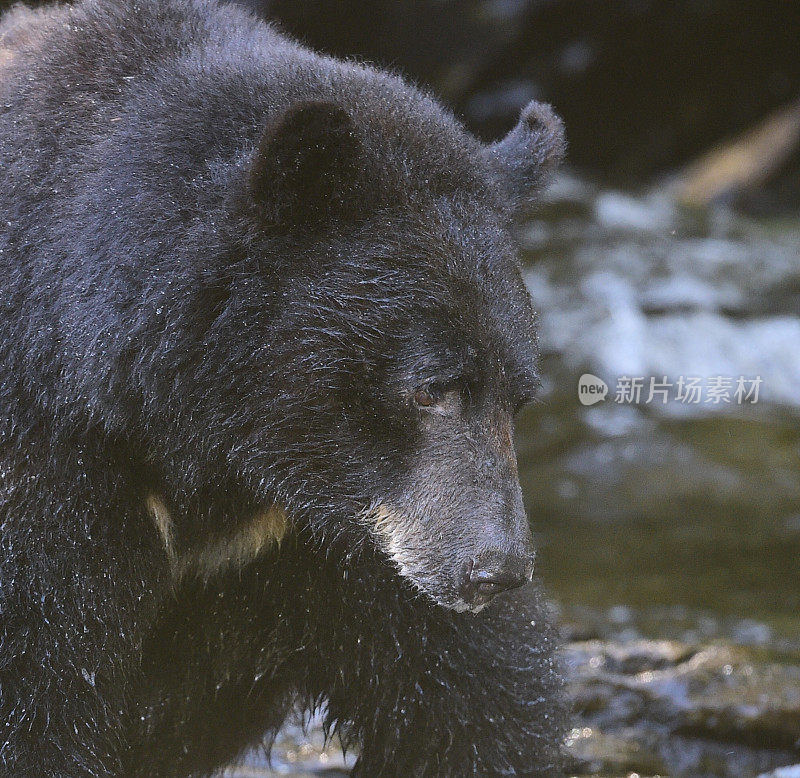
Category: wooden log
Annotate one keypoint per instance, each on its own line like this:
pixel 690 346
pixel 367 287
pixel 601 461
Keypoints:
pixel 743 164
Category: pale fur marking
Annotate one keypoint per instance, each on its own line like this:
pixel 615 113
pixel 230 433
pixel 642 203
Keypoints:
pixel 163 521
pixel 234 550
pixel 395 530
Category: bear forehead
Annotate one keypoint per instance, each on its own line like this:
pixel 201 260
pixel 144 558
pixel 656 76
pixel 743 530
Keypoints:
pixel 450 263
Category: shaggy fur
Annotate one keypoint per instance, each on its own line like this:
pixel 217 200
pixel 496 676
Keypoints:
pixel 228 262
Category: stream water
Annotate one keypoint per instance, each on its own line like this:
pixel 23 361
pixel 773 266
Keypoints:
pixel 664 510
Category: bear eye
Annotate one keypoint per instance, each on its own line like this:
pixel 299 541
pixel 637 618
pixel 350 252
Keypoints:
pixel 426 396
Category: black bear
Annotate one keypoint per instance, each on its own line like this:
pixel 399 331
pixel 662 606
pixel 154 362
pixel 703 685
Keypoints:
pixel 262 338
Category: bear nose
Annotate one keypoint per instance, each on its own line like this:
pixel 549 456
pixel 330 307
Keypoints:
pixel 483 581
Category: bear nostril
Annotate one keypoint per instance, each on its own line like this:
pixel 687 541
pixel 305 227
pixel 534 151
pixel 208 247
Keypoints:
pixel 482 584
pixel 492 582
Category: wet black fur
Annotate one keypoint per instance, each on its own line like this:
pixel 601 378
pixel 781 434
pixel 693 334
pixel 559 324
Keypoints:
pixel 181 314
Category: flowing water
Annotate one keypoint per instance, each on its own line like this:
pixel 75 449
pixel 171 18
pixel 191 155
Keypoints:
pixel 666 509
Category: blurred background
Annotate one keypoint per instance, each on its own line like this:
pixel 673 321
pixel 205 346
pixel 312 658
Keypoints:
pixel 669 249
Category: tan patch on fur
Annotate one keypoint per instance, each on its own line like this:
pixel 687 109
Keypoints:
pixel 163 521
pixel 6 58
pixel 235 550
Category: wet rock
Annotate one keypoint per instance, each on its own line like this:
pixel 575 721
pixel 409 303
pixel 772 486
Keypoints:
pixel 670 708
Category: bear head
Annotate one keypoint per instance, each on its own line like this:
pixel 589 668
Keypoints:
pixel 376 337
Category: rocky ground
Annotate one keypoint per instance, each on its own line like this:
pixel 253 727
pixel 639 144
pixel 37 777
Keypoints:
pixel 668 708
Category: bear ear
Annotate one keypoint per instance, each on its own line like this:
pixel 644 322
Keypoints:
pixel 305 169
pixel 529 155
